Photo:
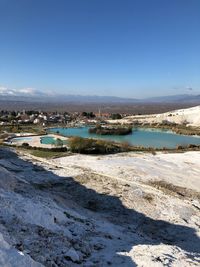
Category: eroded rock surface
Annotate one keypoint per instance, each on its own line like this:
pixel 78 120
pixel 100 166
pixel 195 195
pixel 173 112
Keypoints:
pixel 62 213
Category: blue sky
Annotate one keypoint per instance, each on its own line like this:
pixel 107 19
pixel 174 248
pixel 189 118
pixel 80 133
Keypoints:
pixel 130 48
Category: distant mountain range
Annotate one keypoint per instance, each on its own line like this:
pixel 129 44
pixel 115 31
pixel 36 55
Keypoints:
pixel 31 95
pixel 185 98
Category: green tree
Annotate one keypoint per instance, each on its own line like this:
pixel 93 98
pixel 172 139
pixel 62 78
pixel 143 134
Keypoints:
pixel 116 116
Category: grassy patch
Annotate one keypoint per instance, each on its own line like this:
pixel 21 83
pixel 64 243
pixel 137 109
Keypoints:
pixel 30 128
pixel 45 153
pixel 48 154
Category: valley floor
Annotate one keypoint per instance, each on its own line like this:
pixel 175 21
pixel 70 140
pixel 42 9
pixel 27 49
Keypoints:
pixel 126 209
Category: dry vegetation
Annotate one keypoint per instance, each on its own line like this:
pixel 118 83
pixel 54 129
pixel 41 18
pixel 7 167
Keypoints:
pixel 110 130
pixel 93 146
pixel 171 189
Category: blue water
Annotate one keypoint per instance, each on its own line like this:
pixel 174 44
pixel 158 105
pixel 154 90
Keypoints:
pixel 140 137
pixel 23 138
pixel 49 140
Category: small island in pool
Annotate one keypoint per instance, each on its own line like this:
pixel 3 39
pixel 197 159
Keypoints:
pixel 105 130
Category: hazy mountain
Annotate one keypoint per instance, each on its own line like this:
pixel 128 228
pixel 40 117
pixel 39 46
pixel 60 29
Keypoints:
pixel 32 95
pixel 175 98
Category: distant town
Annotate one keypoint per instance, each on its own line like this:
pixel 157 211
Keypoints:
pixel 48 118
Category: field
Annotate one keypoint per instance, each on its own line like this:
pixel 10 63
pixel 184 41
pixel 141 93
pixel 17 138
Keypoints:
pixel 126 108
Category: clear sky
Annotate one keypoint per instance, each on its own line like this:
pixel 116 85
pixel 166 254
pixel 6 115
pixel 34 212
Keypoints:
pixel 130 48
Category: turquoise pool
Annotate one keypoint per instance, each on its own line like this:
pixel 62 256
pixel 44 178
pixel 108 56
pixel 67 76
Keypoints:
pixel 49 140
pixel 140 137
pixel 22 138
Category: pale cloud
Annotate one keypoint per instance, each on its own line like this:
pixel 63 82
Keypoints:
pixel 3 90
pixel 18 92
pixel 30 91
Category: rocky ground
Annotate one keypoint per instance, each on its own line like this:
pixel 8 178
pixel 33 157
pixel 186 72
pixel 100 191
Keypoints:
pixel 120 210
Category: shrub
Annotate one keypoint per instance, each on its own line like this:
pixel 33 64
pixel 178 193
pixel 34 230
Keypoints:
pixel 178 147
pixel 192 146
pixel 111 131
pixel 116 116
pixel 92 146
pixel 25 145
